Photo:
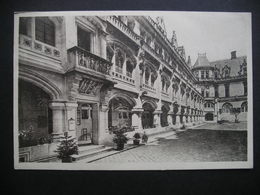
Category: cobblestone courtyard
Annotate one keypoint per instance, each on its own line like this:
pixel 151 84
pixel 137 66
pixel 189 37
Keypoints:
pixel 194 145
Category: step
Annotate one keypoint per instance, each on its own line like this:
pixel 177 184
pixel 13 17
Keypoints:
pixel 89 153
pixel 89 148
pixel 105 154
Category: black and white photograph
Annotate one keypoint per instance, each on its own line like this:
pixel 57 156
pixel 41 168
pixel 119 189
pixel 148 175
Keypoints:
pixel 133 90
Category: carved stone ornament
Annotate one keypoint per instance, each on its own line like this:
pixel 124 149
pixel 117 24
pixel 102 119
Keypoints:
pixel 88 86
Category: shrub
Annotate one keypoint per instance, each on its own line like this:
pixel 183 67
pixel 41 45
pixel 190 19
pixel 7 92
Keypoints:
pixel 67 147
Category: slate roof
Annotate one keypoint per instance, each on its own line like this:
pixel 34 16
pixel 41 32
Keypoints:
pixel 201 61
pixel 234 64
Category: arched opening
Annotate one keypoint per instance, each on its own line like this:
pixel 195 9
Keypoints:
pixel 164 121
pixel 119 113
pixel 209 116
pixel 147 116
pixel 119 59
pixel 129 69
pixel 35 116
pixel 227 108
pixel 244 107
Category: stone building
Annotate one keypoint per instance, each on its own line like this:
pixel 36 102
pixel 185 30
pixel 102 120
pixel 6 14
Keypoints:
pixel 87 74
pixel 223 85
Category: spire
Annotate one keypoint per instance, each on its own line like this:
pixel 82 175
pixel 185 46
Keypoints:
pixel 181 51
pixel 161 25
pixel 174 39
pixel 189 61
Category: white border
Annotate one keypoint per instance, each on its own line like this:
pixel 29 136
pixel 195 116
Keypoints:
pixel 131 166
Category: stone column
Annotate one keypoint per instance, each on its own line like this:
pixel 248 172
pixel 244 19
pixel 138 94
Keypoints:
pixel 58 119
pixel 137 118
pixel 169 118
pixel 124 67
pixel 157 118
pixel 178 124
pixel 103 131
pixel 103 45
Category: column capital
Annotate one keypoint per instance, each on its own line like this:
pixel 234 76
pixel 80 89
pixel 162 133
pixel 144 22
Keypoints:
pixel 157 112
pixel 57 105
pixel 137 110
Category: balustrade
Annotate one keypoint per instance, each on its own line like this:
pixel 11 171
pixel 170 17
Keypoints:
pixel 82 58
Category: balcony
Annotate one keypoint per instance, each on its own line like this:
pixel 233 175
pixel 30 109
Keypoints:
pixel 123 78
pixel 123 27
pixel 84 60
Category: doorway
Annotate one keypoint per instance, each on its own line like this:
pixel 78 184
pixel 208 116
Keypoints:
pixel 85 123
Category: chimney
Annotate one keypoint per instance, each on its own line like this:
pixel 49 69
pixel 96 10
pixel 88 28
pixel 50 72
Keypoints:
pixel 233 55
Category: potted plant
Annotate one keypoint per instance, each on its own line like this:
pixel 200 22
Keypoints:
pixel 67 147
pixel 137 138
pixel 120 139
pixel 183 126
pixel 144 138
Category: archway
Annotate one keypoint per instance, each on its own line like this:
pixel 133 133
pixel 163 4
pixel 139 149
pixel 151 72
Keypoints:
pixel 119 113
pixel 227 108
pixel 35 116
pixel 209 116
pixel 147 115
pixel 164 121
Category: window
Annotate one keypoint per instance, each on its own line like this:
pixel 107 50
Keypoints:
pixel 45 30
pixel 216 91
pixel 207 94
pixel 207 74
pixel 202 92
pixel 147 76
pixel 129 69
pixel 244 107
pixel 216 74
pixel 202 74
pixel 227 108
pixel 23 26
pixel 245 88
pixel 85 114
pixel 227 90
pixel 119 61
pixel 84 39
pixel 124 115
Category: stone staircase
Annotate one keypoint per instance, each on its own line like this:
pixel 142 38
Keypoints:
pixel 88 152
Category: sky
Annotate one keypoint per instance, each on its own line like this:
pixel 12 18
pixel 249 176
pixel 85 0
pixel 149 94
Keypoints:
pixel 216 34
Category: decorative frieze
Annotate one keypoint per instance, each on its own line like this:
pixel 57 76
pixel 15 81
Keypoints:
pixel 39 47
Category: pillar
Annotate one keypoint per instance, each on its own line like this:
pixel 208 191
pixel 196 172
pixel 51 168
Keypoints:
pixel 157 118
pixel 57 119
pixel 103 131
pixel 169 118
pixel 137 118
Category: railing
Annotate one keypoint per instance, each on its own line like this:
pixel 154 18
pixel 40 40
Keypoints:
pixel 82 58
pixel 165 93
pixel 123 77
pixel 149 87
pixel 122 26
pixel 38 47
